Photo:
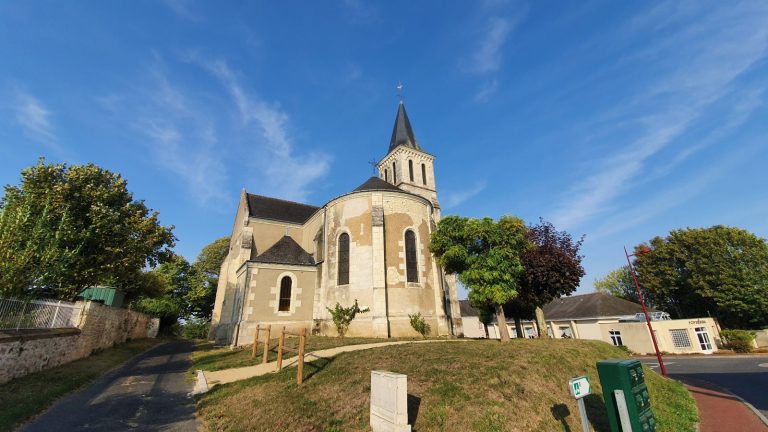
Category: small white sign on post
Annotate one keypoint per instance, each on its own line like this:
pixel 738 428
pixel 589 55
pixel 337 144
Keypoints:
pixel 389 402
pixel 581 388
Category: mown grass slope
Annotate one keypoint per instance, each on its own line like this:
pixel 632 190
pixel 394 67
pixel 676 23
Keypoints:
pixel 453 386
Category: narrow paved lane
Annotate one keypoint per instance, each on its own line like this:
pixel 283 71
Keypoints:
pixel 147 393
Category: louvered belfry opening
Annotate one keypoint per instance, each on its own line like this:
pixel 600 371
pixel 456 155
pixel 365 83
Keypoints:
pixel 411 266
pixel 285 294
pixel 343 259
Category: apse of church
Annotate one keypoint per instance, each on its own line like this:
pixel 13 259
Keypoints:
pixel 288 262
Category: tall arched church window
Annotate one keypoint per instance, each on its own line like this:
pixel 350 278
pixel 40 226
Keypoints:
pixel 386 176
pixel 424 174
pixel 343 265
pixel 285 294
pixel 410 169
pixel 411 264
pixel 394 173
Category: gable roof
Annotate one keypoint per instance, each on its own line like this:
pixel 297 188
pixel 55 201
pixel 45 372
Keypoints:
pixel 375 183
pixel 279 210
pixel 467 310
pixel 591 305
pixel 286 251
pixel 402 133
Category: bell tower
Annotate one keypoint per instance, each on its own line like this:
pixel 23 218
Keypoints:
pixel 406 165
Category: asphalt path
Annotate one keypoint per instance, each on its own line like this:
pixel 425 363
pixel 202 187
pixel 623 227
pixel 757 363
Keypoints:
pixel 741 375
pixel 147 393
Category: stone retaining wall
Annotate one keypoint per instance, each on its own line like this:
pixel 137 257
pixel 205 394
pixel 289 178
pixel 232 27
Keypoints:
pixel 26 351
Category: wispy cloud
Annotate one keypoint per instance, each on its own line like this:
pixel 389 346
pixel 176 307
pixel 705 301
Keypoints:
pixel 182 8
pixel 455 198
pixel 487 55
pixel 700 68
pixel 486 91
pixel 34 118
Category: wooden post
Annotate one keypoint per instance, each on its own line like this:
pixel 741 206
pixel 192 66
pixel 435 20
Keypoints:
pixel 280 350
pixel 255 341
pixel 266 343
pixel 300 371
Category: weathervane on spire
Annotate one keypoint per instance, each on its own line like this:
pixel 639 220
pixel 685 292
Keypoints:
pixel 400 91
pixel 373 164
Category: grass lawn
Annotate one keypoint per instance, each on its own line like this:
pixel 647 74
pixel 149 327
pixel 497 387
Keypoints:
pixel 29 395
pixel 209 358
pixel 453 386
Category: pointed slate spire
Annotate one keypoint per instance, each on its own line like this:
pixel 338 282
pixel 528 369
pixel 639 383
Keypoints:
pixel 402 134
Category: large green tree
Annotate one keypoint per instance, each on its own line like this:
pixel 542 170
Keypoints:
pixel 551 269
pixel 207 265
pixel 485 254
pixel 720 271
pixel 68 227
pixel 618 283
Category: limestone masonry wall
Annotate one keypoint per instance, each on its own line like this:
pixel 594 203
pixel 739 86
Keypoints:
pixel 100 327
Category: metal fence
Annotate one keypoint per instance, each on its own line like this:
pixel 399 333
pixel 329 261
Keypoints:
pixel 36 314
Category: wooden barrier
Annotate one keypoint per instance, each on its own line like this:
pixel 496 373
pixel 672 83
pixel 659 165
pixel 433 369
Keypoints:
pixel 268 330
pixel 302 335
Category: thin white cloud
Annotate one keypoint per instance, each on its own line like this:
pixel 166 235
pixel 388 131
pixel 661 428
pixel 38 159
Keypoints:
pixel 487 55
pixel 35 119
pixel 700 68
pixel 455 198
pixel 486 91
pixel 182 9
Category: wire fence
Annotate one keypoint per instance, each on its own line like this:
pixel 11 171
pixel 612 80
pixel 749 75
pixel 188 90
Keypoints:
pixel 38 314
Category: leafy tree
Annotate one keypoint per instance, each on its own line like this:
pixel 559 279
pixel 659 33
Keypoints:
pixel 720 271
pixel 65 228
pixel 419 324
pixel 486 257
pixel 342 317
pixel 202 295
pixel 618 283
pixel 552 268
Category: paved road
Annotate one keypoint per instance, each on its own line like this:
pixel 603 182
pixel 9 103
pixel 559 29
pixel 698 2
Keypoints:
pixel 147 393
pixel 742 376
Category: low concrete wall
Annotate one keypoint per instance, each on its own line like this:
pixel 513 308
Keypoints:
pixel 761 338
pixel 26 351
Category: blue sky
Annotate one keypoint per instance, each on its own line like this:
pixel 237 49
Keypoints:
pixel 618 120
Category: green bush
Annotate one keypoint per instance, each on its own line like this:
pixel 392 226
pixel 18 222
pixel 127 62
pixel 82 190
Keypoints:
pixel 419 324
pixel 342 316
pixel 740 341
pixel 196 328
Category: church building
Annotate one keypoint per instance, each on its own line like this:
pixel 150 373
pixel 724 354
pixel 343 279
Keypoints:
pixel 288 262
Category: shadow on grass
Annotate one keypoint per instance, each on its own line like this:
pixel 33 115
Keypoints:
pixel 414 402
pixel 560 412
pixel 596 412
pixel 316 366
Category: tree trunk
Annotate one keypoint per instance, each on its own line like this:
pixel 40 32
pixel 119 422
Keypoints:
pixel 502 322
pixel 519 327
pixel 485 326
pixel 543 334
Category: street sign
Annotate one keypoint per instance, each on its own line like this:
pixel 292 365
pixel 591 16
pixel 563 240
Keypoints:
pixel 580 387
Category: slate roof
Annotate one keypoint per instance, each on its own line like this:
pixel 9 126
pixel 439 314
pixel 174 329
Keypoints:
pixel 591 305
pixel 402 133
pixel 375 183
pixel 286 251
pixel 467 310
pixel 279 210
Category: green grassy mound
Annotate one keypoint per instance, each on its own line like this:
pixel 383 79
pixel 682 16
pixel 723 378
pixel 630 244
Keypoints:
pixel 452 386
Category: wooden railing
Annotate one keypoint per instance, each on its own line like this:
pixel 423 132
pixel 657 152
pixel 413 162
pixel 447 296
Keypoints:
pixel 268 330
pixel 302 335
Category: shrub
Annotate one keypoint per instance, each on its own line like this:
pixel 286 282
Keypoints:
pixel 419 324
pixel 196 328
pixel 740 341
pixel 342 316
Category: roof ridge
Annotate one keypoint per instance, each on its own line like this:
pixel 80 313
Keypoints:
pixel 281 199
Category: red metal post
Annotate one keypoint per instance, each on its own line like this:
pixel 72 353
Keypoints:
pixel 645 311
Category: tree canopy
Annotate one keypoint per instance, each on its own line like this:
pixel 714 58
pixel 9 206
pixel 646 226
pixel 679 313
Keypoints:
pixel 619 283
pixel 65 228
pixel 485 254
pixel 720 271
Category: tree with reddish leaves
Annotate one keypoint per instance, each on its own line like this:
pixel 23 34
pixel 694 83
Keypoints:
pixel 552 268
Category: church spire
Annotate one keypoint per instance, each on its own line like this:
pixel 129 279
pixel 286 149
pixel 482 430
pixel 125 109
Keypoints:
pixel 402 134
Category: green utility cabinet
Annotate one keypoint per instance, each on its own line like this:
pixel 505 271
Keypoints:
pixel 626 377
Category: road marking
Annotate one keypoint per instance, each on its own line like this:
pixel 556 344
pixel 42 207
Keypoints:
pixel 765 365
pixel 656 365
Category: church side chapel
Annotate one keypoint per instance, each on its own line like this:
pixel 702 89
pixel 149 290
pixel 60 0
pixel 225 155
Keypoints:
pixel 288 261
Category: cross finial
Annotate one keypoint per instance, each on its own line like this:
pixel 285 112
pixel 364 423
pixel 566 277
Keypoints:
pixel 373 164
pixel 400 91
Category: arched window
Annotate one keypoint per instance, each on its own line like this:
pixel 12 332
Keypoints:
pixel 343 259
pixel 285 294
pixel 412 273
pixel 394 173
pixel 424 174
pixel 410 169
pixel 386 176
